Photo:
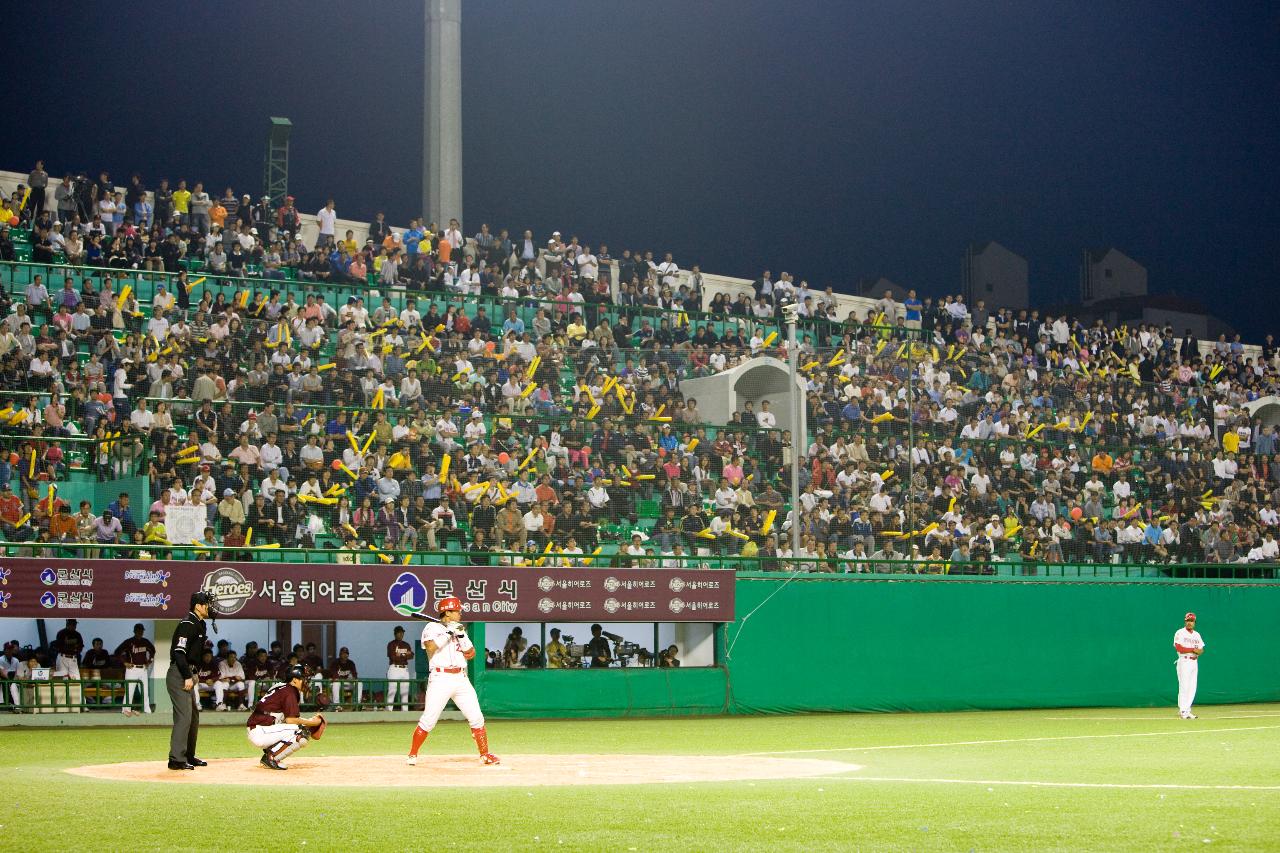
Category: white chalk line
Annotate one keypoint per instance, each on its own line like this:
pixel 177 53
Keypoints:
pixel 1187 731
pixel 1172 716
pixel 1039 784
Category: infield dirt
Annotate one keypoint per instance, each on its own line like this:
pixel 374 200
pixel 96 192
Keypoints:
pixel 465 770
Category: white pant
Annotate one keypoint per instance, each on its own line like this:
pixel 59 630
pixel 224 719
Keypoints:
pixel 134 674
pixel 220 689
pixel 1188 671
pixel 67 667
pixel 265 737
pixel 440 689
pixel 398 683
pixel 335 690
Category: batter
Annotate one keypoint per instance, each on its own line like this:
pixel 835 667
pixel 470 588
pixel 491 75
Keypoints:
pixel 448 650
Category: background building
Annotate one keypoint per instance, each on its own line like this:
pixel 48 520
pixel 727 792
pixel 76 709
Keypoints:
pixel 1110 273
pixel 995 274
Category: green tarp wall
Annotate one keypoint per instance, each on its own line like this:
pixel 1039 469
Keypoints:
pixel 936 644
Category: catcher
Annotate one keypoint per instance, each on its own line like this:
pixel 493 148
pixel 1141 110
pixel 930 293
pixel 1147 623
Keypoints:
pixel 275 725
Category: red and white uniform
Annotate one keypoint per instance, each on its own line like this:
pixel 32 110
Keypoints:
pixel 448 678
pixel 1188 665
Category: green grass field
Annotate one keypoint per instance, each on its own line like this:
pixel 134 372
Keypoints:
pixel 1096 779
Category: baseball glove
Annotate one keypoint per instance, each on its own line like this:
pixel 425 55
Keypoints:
pixel 319 730
pixel 322 701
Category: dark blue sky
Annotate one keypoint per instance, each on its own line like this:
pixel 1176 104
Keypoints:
pixel 838 140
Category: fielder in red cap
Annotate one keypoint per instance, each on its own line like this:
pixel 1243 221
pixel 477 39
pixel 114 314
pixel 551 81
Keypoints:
pixel 448 650
pixel 1189 645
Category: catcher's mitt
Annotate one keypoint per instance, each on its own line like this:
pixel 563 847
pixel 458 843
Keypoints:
pixel 319 730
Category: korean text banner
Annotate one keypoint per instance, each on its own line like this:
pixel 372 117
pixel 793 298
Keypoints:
pixel 159 589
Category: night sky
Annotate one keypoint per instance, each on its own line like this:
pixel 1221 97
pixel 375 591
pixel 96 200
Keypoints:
pixel 836 140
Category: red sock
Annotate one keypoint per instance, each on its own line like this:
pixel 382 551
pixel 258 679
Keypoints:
pixel 419 738
pixel 482 740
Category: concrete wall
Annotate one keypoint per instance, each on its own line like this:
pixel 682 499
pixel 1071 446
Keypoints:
pixel 723 395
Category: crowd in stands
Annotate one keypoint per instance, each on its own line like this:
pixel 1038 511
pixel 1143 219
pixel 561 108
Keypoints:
pixel 510 398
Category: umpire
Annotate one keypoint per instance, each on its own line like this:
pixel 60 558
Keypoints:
pixel 185 651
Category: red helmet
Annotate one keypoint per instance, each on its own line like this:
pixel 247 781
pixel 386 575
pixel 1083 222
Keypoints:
pixel 1190 617
pixel 450 603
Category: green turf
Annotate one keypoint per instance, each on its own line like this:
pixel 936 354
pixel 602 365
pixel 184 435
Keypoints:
pixel 1236 745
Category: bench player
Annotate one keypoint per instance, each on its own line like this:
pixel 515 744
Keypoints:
pixel 399 656
pixel 1189 645
pixel 448 650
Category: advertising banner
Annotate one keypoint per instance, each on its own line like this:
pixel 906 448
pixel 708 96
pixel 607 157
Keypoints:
pixel 160 589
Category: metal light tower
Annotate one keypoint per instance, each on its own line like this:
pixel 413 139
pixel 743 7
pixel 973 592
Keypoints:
pixel 442 108
pixel 275 177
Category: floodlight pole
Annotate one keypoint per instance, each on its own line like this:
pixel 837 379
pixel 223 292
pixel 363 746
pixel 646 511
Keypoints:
pixel 799 439
pixel 442 108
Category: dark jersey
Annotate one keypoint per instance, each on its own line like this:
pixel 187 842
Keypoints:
pixel 399 653
pixel 96 659
pixel 69 642
pixel 280 701
pixel 136 651
pixel 343 669
pixel 187 646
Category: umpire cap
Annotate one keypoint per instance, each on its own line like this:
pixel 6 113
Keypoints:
pixel 201 597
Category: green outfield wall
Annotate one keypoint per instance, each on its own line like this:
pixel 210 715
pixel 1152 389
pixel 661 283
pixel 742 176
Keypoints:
pixel 813 644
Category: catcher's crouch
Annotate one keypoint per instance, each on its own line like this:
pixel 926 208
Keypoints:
pixel 275 725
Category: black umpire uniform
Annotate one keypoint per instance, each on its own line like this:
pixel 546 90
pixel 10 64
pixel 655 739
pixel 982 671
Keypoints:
pixel 185 651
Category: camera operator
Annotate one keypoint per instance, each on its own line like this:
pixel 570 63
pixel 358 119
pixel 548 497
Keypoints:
pixel 532 658
pixel 557 652
pixel 598 649
pixel 515 642
pixel 667 658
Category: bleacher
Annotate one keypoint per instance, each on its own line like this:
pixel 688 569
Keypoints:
pixel 566 369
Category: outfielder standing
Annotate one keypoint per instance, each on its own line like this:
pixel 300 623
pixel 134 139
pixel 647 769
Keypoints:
pixel 276 727
pixel 1190 646
pixel 448 650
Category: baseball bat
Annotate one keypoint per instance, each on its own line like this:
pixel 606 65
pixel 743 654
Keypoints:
pixel 424 617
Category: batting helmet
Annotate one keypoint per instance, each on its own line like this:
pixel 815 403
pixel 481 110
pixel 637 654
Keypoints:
pixel 450 603
pixel 297 671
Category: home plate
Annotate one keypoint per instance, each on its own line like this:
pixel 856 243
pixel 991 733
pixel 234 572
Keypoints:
pixel 454 770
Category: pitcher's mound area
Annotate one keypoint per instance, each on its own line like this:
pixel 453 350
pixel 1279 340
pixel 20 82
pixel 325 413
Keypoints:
pixel 454 770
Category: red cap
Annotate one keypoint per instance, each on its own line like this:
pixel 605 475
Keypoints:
pixel 450 603
pixel 1190 617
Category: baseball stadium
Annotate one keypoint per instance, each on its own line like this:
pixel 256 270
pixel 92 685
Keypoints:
pixel 333 520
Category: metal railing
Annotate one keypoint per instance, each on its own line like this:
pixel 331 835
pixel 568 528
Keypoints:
pixel 609 558
pixel 67 696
